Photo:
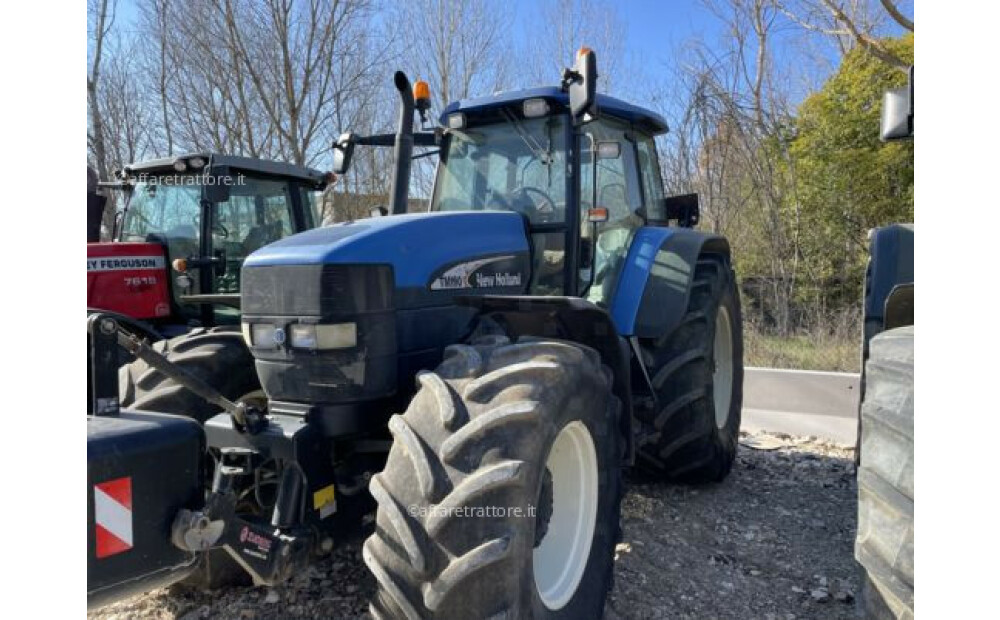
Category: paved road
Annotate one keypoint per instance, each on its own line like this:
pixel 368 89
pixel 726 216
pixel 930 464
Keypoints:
pixel 838 429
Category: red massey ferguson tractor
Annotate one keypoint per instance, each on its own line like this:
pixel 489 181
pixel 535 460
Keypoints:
pixel 171 273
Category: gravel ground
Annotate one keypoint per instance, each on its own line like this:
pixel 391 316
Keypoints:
pixel 774 541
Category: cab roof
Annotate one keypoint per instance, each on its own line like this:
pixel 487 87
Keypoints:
pixel 645 119
pixel 235 162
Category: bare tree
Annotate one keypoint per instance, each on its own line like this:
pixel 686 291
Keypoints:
pixel 731 145
pixel 852 22
pixel 259 78
pixel 155 19
pixel 561 27
pixel 101 18
pixel 895 13
pixel 460 47
pixel 126 108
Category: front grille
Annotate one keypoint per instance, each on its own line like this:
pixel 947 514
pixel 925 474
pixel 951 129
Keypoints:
pixel 335 291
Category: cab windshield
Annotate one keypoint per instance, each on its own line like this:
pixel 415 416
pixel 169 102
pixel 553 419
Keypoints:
pixel 514 165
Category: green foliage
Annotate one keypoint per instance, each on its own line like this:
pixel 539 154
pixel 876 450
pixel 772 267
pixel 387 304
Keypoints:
pixel 847 180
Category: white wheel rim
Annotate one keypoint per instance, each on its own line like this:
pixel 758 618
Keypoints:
pixel 561 558
pixel 722 376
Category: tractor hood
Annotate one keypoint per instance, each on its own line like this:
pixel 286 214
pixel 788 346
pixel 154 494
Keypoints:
pixel 373 299
pixel 431 251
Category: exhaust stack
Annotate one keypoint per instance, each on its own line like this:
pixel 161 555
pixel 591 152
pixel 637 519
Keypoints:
pixel 403 149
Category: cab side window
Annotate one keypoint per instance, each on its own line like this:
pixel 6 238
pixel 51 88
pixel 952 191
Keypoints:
pixel 652 183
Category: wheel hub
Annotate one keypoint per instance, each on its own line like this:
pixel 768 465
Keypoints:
pixel 722 367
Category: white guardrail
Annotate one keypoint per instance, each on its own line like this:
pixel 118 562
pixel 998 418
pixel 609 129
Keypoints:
pixel 801 391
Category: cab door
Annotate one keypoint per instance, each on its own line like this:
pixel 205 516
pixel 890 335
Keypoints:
pixel 259 211
pixel 618 190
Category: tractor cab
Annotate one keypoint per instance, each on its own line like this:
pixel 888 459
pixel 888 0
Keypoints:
pixel 514 152
pixel 198 217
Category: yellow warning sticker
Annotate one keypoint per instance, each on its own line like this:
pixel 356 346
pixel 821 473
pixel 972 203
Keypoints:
pixel 325 501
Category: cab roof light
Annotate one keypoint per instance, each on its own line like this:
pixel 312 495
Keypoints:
pixel 422 92
pixel 422 97
pixel 535 108
pixel 456 120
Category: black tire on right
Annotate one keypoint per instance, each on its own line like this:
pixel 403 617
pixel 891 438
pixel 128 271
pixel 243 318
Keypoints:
pixel 477 434
pixel 679 438
pixel 884 545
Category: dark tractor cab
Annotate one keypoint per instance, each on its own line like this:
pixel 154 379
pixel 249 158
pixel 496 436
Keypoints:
pixel 209 212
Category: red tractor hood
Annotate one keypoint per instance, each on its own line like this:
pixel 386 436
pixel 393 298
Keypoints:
pixel 128 278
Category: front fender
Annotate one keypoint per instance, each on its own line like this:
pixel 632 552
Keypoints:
pixel 574 319
pixel 655 284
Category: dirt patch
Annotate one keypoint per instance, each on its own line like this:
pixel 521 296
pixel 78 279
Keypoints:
pixel 774 541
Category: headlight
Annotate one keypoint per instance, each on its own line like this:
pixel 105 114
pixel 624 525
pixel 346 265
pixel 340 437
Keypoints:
pixel 303 336
pixel 338 336
pixel 262 335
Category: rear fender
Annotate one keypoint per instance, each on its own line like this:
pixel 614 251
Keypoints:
pixel 573 319
pixel 655 284
pixel 890 265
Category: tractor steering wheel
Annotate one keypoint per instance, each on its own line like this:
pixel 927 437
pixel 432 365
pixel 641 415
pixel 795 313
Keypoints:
pixel 539 213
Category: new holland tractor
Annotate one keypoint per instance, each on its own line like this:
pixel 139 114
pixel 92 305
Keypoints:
pixel 171 271
pixel 483 371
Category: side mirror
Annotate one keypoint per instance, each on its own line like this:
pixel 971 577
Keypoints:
pixel 582 84
pixel 897 112
pixel 116 228
pixel 343 150
pixel 683 208
pixel 217 183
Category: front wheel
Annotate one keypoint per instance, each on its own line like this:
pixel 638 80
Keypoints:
pixel 501 494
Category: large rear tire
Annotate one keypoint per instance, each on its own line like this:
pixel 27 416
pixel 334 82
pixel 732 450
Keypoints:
pixel 692 432
pixel 217 356
pixel 884 545
pixel 500 428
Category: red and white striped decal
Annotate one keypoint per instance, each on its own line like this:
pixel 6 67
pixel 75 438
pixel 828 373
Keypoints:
pixel 113 516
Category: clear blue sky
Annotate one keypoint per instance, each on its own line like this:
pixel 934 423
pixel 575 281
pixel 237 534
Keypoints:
pixel 656 32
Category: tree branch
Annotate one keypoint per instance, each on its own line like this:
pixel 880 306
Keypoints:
pixel 896 15
pixel 873 46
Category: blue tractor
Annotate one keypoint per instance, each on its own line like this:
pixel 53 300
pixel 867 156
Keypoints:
pixel 575 323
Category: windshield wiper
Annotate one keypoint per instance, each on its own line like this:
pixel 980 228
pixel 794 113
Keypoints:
pixel 536 149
